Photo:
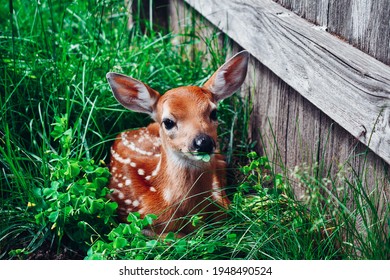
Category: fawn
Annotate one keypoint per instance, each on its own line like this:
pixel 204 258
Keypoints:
pixel 159 169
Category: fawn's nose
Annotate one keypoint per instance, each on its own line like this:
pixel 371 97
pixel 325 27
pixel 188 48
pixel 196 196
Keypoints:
pixel 203 144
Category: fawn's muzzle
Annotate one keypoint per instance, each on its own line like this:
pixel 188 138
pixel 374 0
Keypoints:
pixel 203 144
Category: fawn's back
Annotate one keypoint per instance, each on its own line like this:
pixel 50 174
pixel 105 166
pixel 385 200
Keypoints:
pixel 172 168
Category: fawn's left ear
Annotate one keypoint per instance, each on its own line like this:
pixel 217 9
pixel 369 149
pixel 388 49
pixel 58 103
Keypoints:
pixel 133 94
pixel 229 77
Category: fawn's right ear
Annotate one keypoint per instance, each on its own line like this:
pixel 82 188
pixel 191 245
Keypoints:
pixel 133 94
pixel 229 77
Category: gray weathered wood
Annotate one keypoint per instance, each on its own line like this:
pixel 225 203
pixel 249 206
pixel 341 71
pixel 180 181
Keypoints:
pixel 346 84
pixel 314 11
pixel 294 133
pixel 365 23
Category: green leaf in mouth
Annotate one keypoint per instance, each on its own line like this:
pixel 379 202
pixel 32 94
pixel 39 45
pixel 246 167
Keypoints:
pixel 203 157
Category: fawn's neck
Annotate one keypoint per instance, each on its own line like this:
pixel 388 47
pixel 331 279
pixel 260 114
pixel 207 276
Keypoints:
pixel 182 179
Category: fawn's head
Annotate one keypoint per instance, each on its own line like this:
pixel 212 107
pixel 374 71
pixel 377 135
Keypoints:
pixel 187 115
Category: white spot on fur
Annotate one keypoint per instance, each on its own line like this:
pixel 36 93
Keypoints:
pixel 120 185
pixel 152 189
pixel 121 195
pixel 128 202
pixel 147 178
pixel 157 143
pixel 133 147
pixel 135 203
pixel 141 172
pixel 157 169
pixel 128 182
pixel 118 158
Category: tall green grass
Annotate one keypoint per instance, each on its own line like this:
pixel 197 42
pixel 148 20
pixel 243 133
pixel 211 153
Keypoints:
pixel 348 202
pixel 54 57
pixel 58 120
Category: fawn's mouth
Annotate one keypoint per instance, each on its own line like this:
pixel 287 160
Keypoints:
pixel 199 156
pixel 187 158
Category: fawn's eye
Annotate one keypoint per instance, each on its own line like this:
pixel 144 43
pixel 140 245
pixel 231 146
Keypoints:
pixel 168 123
pixel 214 115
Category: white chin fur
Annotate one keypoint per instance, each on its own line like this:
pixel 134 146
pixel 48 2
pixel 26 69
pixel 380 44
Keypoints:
pixel 186 160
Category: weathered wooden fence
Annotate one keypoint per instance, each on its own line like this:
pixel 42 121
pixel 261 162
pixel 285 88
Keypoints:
pixel 319 77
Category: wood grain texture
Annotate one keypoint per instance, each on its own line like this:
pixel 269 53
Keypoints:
pixel 294 133
pixel 314 11
pixel 365 23
pixel 349 86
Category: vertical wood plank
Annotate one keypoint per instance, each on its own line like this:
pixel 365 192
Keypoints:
pixel 364 24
